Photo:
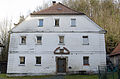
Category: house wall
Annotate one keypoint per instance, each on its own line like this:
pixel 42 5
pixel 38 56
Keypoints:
pixel 73 42
pixel 83 23
pixel 50 38
pixel 115 59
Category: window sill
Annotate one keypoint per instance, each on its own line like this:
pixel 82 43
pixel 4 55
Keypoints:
pixel 61 44
pixel 37 64
pixel 56 26
pixel 21 64
pixel 86 44
pixel 86 64
pixel 38 44
pixel 40 26
pixel 73 25
pixel 23 44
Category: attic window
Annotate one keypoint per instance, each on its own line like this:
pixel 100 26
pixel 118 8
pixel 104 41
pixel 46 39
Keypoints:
pixel 59 8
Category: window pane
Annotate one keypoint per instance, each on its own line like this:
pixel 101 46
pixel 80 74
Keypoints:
pixel 61 39
pixel 61 50
pixel 38 60
pixel 22 60
pixel 85 40
pixel 56 22
pixel 23 39
pixel 40 22
pixel 73 22
pixel 86 60
pixel 39 39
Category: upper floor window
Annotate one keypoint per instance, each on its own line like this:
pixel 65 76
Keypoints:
pixel 40 23
pixel 85 40
pixel 39 39
pixel 38 60
pixel 61 39
pixel 73 22
pixel 56 22
pixel 23 39
pixel 22 60
pixel 85 60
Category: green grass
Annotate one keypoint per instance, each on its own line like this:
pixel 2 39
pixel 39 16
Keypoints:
pixel 81 77
pixel 23 77
pixel 46 76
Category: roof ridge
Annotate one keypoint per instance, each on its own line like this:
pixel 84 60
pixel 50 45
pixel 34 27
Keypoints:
pixel 66 10
pixel 68 7
pixel 47 8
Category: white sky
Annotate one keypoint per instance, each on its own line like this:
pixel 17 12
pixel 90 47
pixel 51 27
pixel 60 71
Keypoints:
pixel 14 8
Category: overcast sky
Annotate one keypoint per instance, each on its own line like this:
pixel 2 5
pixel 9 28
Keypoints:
pixel 15 8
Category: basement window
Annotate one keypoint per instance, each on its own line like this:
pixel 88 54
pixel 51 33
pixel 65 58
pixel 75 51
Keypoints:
pixel 85 60
pixel 22 60
pixel 38 60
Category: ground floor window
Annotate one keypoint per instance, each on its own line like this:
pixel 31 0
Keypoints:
pixel 85 60
pixel 22 60
pixel 38 60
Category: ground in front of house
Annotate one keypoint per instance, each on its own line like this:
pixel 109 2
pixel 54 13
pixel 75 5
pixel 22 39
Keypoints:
pixel 3 76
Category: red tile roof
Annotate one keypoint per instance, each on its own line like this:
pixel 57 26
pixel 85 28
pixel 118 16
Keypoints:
pixel 116 51
pixel 57 9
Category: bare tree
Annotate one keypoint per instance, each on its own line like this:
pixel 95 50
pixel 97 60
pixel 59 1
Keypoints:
pixel 5 26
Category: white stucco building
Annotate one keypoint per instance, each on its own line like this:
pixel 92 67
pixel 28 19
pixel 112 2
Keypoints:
pixel 56 40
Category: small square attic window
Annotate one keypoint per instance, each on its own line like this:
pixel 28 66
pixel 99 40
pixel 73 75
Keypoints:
pixel 59 8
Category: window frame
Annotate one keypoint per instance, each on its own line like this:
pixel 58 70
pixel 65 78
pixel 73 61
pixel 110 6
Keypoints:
pixel 42 23
pixel 20 60
pixel 58 22
pixel 21 40
pixel 37 40
pixel 84 61
pixel 73 25
pixel 63 39
pixel 85 37
pixel 36 60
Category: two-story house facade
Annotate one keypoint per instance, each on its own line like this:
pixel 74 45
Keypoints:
pixel 56 40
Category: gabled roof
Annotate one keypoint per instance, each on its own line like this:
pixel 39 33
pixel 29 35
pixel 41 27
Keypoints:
pixel 116 51
pixel 57 9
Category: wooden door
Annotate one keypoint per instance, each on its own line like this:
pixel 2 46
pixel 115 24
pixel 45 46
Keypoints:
pixel 61 65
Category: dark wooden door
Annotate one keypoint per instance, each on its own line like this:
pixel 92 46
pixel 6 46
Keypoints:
pixel 61 65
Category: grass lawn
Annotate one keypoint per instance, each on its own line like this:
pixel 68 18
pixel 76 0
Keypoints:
pixel 81 77
pixel 3 76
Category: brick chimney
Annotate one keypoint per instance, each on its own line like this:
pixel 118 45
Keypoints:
pixel 54 2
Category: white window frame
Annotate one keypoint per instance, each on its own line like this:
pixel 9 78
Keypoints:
pixel 36 61
pixel 87 61
pixel 59 40
pixel 41 40
pixel 59 22
pixel 24 61
pixel 21 40
pixel 85 40
pixel 73 25
pixel 39 22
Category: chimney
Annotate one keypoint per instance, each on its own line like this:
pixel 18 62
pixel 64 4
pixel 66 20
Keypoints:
pixel 54 2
